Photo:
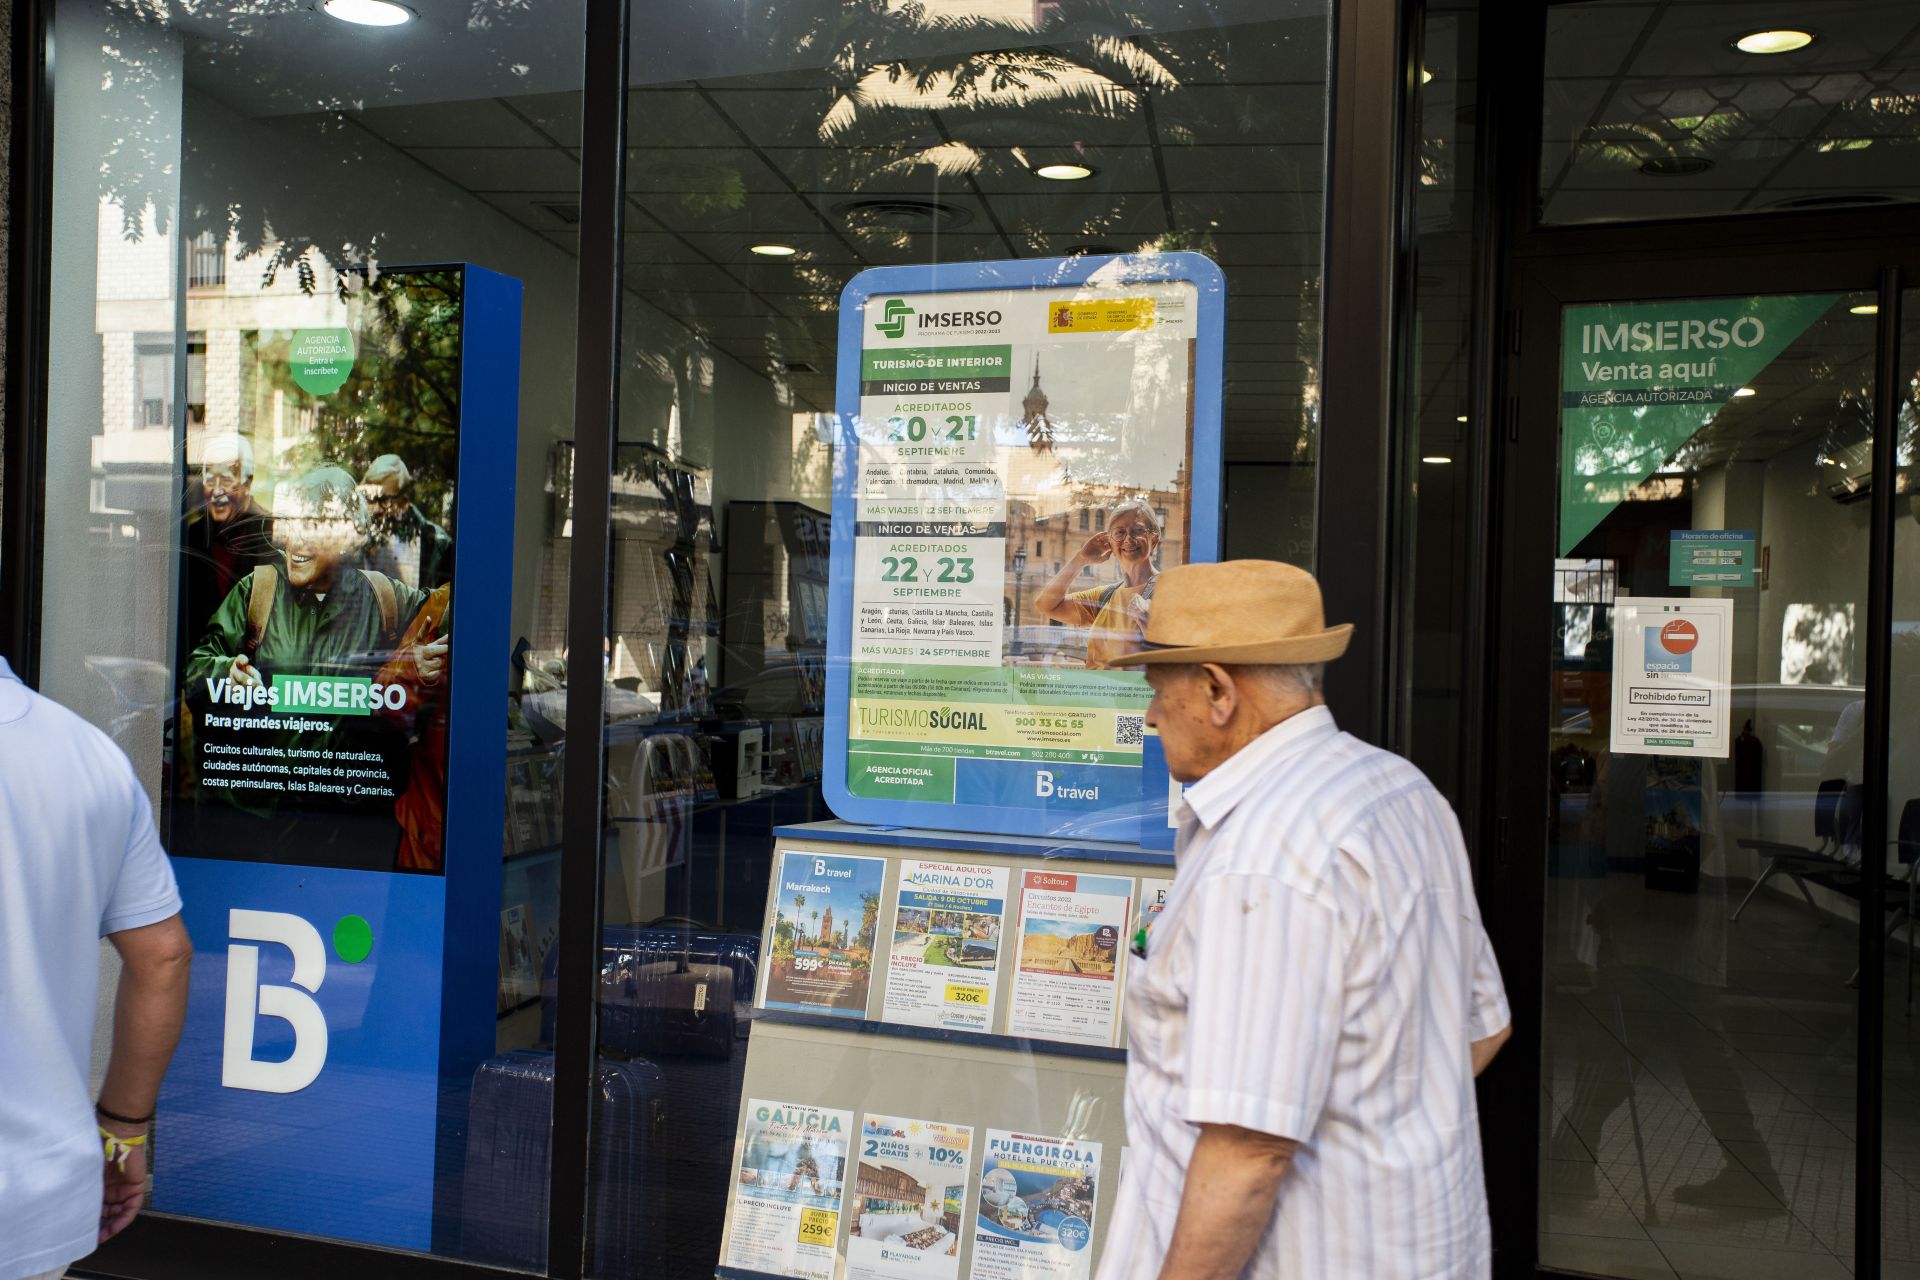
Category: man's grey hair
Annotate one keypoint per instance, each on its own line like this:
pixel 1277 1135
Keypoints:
pixel 217 449
pixel 387 464
pixel 1151 516
pixel 1306 680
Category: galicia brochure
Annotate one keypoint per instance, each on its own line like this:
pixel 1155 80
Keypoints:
pixel 787 1189
pixel 910 1192
pixel 1035 1217
pixel 945 958
pixel 826 913
pixel 1066 983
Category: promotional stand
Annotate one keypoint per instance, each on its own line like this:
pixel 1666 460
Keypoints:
pixel 335 804
pixel 943 1067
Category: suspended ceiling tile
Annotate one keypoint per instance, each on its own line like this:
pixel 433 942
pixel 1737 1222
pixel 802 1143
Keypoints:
pixel 1250 168
pixel 815 247
pixel 1243 114
pixel 1588 40
pixel 1115 169
pixel 775 117
pixel 722 175
pixel 960 247
pixel 1073 214
pixel 557 115
pixel 1222 50
pixel 539 210
pixel 643 249
pixel 771 213
pixel 1278 247
pixel 675 117
pixel 503 168
pixel 479 123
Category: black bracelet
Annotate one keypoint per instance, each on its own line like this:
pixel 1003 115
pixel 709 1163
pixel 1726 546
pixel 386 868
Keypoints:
pixel 105 1114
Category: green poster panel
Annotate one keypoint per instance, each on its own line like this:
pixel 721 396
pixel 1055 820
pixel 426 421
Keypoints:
pixel 1640 379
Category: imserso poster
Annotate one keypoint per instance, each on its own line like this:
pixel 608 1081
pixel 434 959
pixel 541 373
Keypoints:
pixel 945 959
pixel 1025 471
pixel 910 1190
pixel 1672 676
pixel 1066 985
pixel 314 607
pixel 786 1196
pixel 1035 1220
pixel 826 913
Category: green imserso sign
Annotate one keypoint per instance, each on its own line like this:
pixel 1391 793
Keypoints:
pixel 1640 379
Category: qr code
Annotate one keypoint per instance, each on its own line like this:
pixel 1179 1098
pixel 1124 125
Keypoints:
pixel 1127 730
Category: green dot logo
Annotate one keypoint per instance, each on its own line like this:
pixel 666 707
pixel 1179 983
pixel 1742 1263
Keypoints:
pixel 352 939
pixel 893 321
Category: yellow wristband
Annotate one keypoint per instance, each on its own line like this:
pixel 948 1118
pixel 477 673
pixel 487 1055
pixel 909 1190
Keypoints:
pixel 117 1148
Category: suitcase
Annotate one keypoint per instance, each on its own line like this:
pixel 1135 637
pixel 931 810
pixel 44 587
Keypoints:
pixel 667 990
pixel 509 1146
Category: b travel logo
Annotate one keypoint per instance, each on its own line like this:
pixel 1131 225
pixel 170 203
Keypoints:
pixel 248 999
pixel 1669 649
pixel 893 319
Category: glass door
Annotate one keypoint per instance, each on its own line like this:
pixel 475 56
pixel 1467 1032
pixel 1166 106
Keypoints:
pixel 1704 739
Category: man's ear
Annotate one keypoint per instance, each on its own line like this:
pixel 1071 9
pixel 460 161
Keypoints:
pixel 1222 696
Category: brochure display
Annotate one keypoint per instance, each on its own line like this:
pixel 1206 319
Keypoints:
pixel 1026 446
pixel 826 914
pixel 952 1173
pixel 335 801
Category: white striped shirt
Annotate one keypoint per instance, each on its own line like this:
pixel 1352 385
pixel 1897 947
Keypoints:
pixel 1319 972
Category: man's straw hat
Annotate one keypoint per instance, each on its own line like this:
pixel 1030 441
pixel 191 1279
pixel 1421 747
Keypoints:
pixel 1239 611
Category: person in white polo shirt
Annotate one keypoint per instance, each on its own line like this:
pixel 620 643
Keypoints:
pixel 1307 1013
pixel 79 861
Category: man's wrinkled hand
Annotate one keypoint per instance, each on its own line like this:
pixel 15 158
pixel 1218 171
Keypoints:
pixel 124 1192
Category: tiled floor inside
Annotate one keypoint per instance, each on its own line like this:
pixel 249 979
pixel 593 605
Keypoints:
pixel 1698 1116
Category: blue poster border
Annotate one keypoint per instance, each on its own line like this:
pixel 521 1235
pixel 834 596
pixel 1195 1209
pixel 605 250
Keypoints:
pixel 1141 811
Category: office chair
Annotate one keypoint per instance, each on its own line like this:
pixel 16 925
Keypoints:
pixel 1793 861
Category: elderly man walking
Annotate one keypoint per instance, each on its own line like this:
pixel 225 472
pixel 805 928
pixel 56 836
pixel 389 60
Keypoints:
pixel 1306 1015
pixel 79 861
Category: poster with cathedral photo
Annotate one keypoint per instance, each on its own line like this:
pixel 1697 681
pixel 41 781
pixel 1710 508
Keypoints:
pixel 1033 446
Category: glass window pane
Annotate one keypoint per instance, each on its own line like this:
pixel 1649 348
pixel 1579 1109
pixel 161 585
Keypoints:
pixel 813 143
pixel 257 469
pixel 1657 111
pixel 1900 1134
pixel 1699 1073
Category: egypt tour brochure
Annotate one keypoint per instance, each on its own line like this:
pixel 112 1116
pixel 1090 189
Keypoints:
pixel 787 1188
pixel 1066 982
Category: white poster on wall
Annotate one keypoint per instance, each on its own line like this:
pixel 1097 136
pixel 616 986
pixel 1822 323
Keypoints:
pixel 1672 676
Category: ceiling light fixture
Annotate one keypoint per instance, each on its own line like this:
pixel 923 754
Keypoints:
pixel 1438 459
pixel 1783 41
pixel 1865 309
pixel 1063 172
pixel 773 250
pixel 368 13
pixel 1744 392
pixel 1461 418
pixel 1426 76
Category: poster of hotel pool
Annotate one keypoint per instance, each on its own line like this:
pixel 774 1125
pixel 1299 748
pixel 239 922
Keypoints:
pixel 826 912
pixel 786 1195
pixel 1035 1220
pixel 946 945
pixel 909 1192
pixel 1066 982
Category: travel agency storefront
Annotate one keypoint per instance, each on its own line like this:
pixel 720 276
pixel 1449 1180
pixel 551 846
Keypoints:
pixel 799 396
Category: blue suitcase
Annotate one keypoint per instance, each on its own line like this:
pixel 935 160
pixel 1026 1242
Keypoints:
pixel 667 990
pixel 509 1146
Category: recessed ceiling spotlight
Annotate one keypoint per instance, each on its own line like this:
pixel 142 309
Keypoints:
pixel 1865 309
pixel 1426 76
pixel 1744 392
pixel 1063 172
pixel 1461 418
pixel 1437 460
pixel 773 250
pixel 1782 41
pixel 368 13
